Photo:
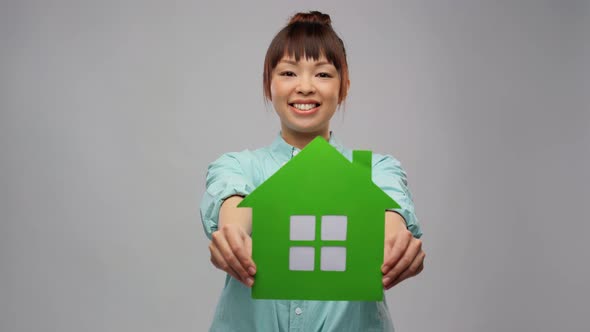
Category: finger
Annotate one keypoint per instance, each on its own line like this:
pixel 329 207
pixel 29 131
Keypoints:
pixel 396 252
pixel 219 261
pixel 237 243
pixel 404 262
pixel 233 273
pixel 242 248
pixel 248 282
pixel 248 244
pixel 414 269
pixel 229 257
pixel 217 258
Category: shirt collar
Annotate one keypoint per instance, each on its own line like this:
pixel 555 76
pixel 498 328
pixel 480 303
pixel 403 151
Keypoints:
pixel 283 151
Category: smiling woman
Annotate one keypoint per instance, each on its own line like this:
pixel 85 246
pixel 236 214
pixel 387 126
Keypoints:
pixel 308 35
pixel 306 79
pixel 306 76
pixel 305 96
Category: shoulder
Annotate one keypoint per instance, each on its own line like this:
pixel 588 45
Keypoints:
pixel 238 159
pixel 387 167
pixel 235 156
pixel 246 161
pixel 380 160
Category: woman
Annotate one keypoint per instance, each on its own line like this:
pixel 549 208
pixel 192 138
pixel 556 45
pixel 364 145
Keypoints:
pixel 306 79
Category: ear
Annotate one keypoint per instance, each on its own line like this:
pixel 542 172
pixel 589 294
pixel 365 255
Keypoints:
pixel 346 88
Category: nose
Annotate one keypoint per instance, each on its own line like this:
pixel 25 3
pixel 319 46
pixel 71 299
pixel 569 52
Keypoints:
pixel 305 86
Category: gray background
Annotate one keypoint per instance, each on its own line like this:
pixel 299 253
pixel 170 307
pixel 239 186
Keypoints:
pixel 111 111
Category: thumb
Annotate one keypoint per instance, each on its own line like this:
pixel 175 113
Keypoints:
pixel 248 245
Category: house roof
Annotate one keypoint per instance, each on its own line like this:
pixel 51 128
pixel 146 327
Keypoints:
pixel 321 175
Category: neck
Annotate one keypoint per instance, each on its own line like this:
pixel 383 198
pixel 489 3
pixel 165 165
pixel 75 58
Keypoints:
pixel 300 140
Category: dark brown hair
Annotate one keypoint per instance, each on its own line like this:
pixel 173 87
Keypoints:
pixel 310 35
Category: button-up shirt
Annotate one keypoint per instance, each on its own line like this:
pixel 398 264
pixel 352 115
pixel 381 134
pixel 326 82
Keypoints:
pixel 239 173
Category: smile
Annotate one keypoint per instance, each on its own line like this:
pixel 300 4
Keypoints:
pixel 304 109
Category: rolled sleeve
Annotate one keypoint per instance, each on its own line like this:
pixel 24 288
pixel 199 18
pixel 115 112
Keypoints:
pixel 389 175
pixel 225 178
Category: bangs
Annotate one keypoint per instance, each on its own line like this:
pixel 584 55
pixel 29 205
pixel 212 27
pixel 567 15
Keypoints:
pixel 309 40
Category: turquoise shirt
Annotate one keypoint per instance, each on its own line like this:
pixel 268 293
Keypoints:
pixel 239 173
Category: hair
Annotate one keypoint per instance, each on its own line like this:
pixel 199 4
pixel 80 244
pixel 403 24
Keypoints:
pixel 310 35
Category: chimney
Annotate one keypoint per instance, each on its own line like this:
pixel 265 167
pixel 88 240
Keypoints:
pixel 363 159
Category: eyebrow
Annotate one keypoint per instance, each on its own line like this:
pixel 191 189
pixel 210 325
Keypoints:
pixel 320 63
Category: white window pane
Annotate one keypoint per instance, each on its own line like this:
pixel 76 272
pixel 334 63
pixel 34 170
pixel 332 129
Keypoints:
pixel 302 228
pixel 334 228
pixel 301 258
pixel 333 259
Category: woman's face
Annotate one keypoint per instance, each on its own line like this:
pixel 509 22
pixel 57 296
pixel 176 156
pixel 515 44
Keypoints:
pixel 305 95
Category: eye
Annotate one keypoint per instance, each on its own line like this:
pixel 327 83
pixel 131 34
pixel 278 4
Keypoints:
pixel 324 75
pixel 287 73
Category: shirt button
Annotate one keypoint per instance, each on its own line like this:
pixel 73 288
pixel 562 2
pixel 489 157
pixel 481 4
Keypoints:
pixel 298 311
pixel 295 152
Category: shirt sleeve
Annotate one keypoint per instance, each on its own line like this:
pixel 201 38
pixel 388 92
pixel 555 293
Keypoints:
pixel 225 178
pixel 389 175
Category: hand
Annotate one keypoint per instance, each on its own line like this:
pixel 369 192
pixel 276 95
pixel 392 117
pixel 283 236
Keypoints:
pixel 403 255
pixel 231 251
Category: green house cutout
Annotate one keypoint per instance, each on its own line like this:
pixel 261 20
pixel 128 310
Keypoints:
pixel 318 228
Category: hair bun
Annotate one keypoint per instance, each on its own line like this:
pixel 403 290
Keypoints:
pixel 311 17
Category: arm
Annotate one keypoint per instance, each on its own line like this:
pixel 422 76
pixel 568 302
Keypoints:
pixel 403 254
pixel 390 176
pixel 231 244
pixel 224 223
pixel 230 214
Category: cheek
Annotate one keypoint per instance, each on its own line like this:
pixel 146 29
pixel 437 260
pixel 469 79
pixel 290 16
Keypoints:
pixel 275 91
pixel 335 93
pixel 276 97
pixel 272 91
pixel 334 88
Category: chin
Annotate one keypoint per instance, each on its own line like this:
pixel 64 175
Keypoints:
pixel 305 130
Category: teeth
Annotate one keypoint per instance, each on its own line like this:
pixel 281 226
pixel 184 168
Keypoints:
pixel 304 107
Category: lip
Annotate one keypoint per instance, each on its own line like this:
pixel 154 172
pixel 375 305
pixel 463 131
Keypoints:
pixel 305 113
pixel 304 101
